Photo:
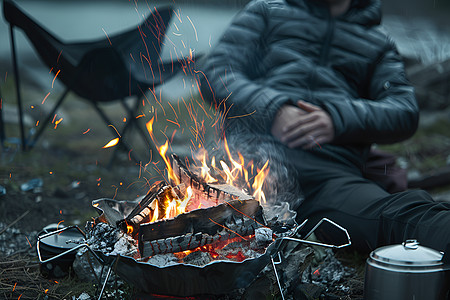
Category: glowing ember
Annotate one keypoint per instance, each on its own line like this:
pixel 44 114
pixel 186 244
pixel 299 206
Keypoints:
pixel 111 143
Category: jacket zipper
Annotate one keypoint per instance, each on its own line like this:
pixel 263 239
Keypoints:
pixel 324 52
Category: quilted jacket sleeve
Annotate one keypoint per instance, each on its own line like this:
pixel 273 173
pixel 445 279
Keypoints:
pixel 390 115
pixel 232 71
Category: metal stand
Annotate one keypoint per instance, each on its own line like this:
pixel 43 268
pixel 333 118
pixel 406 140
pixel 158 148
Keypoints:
pixel 99 259
pixel 304 241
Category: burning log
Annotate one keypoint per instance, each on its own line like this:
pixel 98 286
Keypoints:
pixel 145 206
pixel 239 229
pixel 200 227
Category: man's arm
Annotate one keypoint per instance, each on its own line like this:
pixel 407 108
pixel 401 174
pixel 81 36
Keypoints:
pixel 232 71
pixel 391 115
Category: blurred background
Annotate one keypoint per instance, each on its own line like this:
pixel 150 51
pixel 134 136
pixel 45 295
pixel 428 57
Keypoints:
pixel 421 29
pixel 56 181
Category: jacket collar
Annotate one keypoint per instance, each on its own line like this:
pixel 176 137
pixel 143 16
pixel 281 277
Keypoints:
pixel 362 12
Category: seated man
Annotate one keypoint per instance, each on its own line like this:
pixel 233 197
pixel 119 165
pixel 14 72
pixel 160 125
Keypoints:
pixel 322 81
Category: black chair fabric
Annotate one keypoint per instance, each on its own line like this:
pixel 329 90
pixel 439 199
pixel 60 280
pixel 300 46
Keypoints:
pixel 111 68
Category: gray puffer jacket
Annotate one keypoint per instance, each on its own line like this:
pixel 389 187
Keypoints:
pixel 278 51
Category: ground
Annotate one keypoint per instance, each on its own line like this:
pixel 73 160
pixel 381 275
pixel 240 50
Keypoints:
pixel 74 169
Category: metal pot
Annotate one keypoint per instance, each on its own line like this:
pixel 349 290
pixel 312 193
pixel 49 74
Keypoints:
pixel 54 250
pixel 406 271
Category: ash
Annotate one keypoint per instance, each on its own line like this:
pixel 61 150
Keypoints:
pixel 330 273
pixel 13 241
pixel 236 251
pixel 109 240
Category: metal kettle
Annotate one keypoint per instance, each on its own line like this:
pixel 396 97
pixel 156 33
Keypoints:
pixel 406 271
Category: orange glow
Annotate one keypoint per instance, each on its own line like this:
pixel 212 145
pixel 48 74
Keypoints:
pixel 235 172
pixel 129 229
pixel 54 78
pixel 57 121
pixel 162 151
pixel 111 143
pixel 258 183
pixel 155 215
pixel 213 248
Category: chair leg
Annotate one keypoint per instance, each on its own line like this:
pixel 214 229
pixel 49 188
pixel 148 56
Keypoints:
pixel 121 141
pixel 17 83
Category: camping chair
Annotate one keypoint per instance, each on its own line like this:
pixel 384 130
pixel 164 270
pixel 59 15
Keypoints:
pixel 108 69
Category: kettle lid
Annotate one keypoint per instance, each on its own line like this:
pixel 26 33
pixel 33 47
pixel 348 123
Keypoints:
pixel 409 253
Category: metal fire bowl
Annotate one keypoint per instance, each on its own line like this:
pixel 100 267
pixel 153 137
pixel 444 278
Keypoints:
pixel 216 278
pixel 183 280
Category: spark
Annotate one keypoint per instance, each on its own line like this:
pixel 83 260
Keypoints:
pixel 45 98
pixel 59 55
pixel 173 122
pixel 87 131
pixel 57 226
pixel 115 130
pixel 29 242
pixel 242 116
pixel 107 36
pixel 111 143
pixel 57 122
pixel 195 30
pixel 54 78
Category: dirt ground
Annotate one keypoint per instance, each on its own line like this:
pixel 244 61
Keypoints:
pixel 71 169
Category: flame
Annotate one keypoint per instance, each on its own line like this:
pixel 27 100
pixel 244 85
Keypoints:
pixel 129 229
pixel 155 215
pixel 235 172
pixel 162 151
pixel 111 143
pixel 258 183
pixel 232 170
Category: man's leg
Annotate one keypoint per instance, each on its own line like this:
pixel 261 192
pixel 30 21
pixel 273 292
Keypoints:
pixel 372 216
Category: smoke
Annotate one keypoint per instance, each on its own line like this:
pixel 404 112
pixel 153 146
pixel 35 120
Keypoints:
pixel 281 188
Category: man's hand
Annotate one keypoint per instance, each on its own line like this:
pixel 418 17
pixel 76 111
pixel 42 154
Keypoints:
pixel 305 126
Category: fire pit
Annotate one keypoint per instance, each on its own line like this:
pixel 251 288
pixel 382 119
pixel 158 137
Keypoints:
pixel 190 237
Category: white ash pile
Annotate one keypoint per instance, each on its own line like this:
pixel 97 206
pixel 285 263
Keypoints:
pixel 110 240
pixel 106 239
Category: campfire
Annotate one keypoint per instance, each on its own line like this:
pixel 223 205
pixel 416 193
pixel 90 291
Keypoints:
pixel 203 219
pixel 189 215
pixel 206 229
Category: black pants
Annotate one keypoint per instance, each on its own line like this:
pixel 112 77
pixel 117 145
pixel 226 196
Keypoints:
pixel 335 188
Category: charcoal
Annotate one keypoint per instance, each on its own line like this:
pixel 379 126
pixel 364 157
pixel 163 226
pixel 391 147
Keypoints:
pixel 198 258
